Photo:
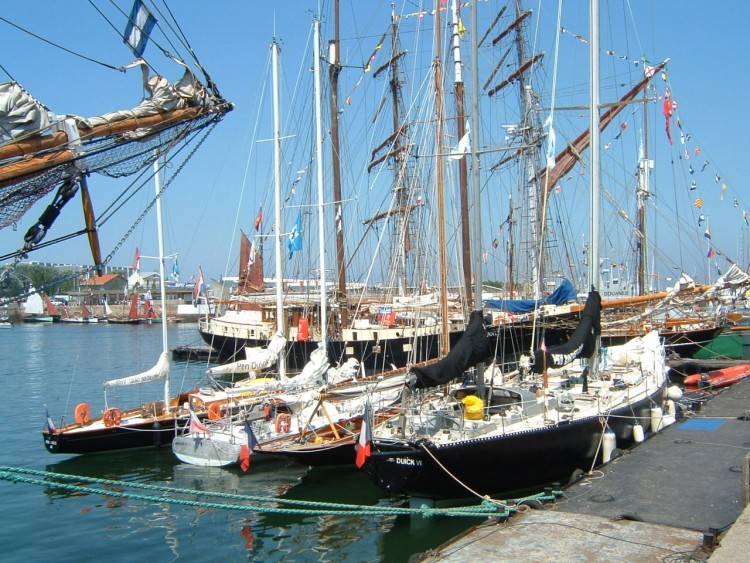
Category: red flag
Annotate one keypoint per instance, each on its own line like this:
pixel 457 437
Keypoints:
pixel 198 288
pixel 364 444
pixel 259 219
pixel 137 260
pixel 195 424
pixel 247 449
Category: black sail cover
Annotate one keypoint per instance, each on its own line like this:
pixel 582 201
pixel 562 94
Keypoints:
pixel 581 343
pixel 471 349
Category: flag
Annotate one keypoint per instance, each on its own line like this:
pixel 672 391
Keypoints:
pixel 50 424
pixel 711 253
pixel 259 219
pixel 698 202
pixel 364 444
pixel 137 260
pixel 196 425
pixel 247 449
pixel 295 237
pixel 701 218
pixel 461 149
pixel 551 141
pixel 707 234
pixel 199 285
pixel 139 27
pixel 744 216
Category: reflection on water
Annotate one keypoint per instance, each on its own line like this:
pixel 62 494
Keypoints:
pixel 62 365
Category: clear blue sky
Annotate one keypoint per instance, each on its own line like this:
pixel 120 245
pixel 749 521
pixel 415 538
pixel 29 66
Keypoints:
pixel 708 75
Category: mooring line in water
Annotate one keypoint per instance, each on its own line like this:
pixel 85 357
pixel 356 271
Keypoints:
pixel 487 509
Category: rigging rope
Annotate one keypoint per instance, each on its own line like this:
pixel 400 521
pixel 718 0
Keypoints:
pixel 265 504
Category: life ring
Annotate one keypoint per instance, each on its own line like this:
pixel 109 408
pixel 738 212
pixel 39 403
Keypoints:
pixel 82 413
pixel 214 411
pixel 283 422
pixel 112 417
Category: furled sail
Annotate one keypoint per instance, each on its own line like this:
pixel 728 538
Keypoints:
pixel 582 342
pixel 564 293
pixel 255 358
pixel 471 349
pixel 159 371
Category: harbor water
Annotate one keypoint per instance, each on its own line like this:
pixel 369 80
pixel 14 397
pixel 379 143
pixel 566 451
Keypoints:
pixel 54 367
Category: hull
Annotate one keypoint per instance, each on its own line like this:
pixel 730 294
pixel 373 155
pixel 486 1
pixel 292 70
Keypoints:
pixel 716 379
pixel 509 464
pixel 146 433
pixel 218 450
pixel 374 354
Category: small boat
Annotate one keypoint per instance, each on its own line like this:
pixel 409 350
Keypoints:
pixel 132 318
pixel 717 378
pixel 5 322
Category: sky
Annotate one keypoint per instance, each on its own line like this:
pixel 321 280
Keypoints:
pixel 228 181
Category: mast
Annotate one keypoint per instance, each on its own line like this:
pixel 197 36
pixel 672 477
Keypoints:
pixel 475 184
pixel 645 165
pixel 438 64
pixel 162 273
pixel 593 274
pixel 323 320
pixel 458 86
pixel 280 321
pixel 333 76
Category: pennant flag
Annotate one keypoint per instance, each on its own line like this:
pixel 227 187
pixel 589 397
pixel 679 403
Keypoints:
pixel 693 185
pixel 137 260
pixel 295 237
pixel 704 166
pixel 707 234
pixel 744 216
pixel 667 110
pixel 717 178
pixel 199 285
pixel 495 243
pixel 551 141
pixel 690 169
pixel 364 444
pixel 698 203
pixel 139 27
pixel 461 149
pixel 196 425
pixel 736 202
pixel 701 218
pixel 697 151
pixel 375 52
pixel 247 449
pixel 711 253
pixel 259 219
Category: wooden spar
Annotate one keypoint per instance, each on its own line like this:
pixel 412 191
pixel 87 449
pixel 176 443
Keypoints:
pixel 396 211
pixel 514 75
pixel 519 20
pixel 58 143
pixel 388 63
pixel 387 155
pixel 91 230
pixel 389 141
pixel 497 17
pixel 567 158
pixel 497 67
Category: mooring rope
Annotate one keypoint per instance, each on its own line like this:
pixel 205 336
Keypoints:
pixel 263 504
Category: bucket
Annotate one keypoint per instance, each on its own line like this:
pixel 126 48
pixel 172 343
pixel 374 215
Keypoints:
pixel 609 443
pixel 656 419
pixel 474 407
pixel 638 434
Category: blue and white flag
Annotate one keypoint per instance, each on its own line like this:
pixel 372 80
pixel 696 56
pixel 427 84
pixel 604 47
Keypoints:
pixel 139 28
pixel 295 237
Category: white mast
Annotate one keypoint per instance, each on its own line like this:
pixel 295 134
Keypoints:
pixel 595 143
pixel 277 219
pixel 323 320
pixel 162 282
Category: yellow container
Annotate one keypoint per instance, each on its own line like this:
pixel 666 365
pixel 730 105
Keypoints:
pixel 474 407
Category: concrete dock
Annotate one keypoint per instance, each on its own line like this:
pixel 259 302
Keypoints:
pixel 680 495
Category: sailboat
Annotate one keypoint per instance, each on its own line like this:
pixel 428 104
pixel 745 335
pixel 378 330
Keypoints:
pixel 45 151
pixel 33 309
pixel 133 317
pixel 383 331
pixel 85 317
pixel 562 411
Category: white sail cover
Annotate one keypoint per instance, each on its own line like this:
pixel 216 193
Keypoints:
pixel 315 369
pixel 255 358
pixel 346 372
pixel 160 370
pixel 20 113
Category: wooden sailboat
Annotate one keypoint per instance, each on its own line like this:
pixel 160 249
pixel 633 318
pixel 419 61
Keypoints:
pixel 518 434
pixel 133 316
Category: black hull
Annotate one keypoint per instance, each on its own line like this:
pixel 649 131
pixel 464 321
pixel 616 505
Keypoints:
pixel 503 465
pixel 375 356
pixel 684 343
pixel 148 434
pixel 340 454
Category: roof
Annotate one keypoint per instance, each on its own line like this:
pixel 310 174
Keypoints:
pixel 102 280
